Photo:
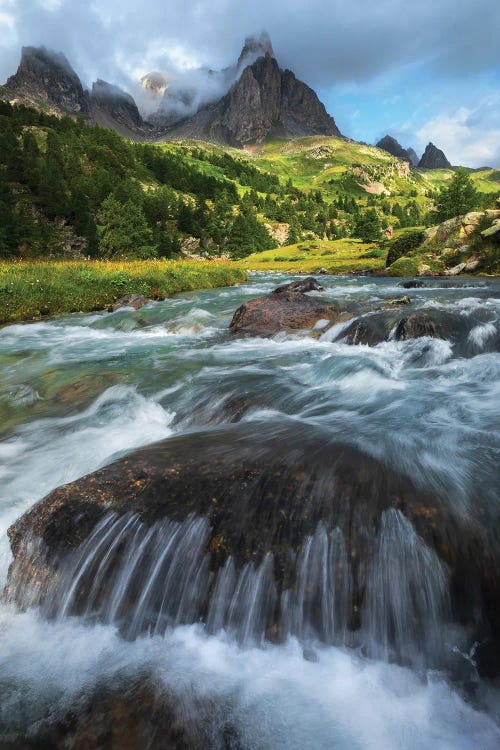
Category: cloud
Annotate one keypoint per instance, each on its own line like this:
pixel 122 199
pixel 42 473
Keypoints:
pixel 329 44
pixel 470 137
pixel 325 42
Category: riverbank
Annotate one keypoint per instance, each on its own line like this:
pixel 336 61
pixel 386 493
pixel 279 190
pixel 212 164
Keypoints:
pixel 32 289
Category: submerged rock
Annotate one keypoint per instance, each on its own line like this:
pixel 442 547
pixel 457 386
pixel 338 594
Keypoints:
pixel 369 331
pixel 286 308
pixel 266 531
pixel 132 713
pixel 129 300
pixel 302 285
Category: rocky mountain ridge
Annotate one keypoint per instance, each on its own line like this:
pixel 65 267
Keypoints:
pixel 393 147
pixel 264 100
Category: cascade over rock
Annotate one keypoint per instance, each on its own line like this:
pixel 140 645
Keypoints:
pixel 287 308
pixel 266 530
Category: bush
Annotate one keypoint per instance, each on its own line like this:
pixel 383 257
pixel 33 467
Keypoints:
pixel 403 245
pixel 404 266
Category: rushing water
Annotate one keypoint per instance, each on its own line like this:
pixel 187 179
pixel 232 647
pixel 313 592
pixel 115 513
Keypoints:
pixel 80 390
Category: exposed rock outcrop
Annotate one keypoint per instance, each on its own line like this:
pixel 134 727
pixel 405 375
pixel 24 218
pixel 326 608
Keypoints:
pixel 110 104
pixel 287 308
pixel 416 326
pixel 264 101
pixel 433 158
pixel 47 77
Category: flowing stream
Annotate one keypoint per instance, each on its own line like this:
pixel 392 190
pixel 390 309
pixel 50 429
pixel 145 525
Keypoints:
pixel 78 391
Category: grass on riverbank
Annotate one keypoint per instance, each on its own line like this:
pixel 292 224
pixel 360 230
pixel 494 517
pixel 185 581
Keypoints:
pixel 336 256
pixel 32 289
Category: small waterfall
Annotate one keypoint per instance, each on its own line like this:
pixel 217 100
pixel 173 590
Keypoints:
pixel 145 579
pixel 149 578
pixel 406 603
pixel 320 604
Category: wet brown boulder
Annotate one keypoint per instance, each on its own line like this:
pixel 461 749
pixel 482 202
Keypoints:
pixel 286 308
pixel 136 301
pixel 260 490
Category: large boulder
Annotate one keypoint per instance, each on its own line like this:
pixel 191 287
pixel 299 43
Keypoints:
pixel 266 530
pixel 287 308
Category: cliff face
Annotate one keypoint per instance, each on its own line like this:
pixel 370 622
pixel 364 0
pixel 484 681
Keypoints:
pixel 265 101
pixel 413 157
pixel 47 77
pixel 433 158
pixel 109 102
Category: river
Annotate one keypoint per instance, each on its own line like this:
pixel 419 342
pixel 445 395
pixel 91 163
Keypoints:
pixel 78 391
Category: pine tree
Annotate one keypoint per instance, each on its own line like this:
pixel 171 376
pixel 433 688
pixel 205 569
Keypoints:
pixel 8 224
pixel 367 226
pixel 457 198
pixel 123 230
pixel 52 188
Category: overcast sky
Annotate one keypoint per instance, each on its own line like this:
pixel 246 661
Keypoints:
pixel 427 70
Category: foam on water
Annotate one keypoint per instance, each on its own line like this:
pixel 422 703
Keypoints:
pixel 273 696
pixel 50 452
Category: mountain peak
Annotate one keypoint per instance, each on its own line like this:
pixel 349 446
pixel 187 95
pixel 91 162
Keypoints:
pixel 47 76
pixel 392 146
pixel 433 158
pixel 113 107
pixel 257 45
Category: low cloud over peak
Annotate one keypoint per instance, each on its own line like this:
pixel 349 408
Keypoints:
pixel 330 45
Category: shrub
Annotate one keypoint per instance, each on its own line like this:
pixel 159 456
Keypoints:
pixel 403 245
pixel 404 266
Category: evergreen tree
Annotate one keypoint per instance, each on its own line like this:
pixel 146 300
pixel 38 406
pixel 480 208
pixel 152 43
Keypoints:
pixel 457 198
pixel 30 160
pixel 52 188
pixel 367 226
pixel 123 230
pixel 8 223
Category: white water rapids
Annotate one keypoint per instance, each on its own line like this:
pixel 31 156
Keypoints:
pixel 78 391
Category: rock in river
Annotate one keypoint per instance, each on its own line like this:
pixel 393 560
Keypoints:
pixel 287 308
pixel 266 531
pixel 129 300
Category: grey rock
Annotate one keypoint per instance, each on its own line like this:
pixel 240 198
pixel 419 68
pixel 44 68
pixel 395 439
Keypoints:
pixel 433 158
